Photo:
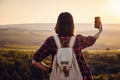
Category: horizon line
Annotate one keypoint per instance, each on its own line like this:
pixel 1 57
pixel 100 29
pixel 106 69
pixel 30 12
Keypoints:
pixel 48 23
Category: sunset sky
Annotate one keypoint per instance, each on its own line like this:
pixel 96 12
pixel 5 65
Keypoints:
pixel 47 11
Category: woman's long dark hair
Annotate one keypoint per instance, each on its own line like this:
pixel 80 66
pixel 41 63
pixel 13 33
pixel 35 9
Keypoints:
pixel 65 24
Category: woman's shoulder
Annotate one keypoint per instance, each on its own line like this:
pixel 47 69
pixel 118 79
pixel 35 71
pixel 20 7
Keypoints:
pixel 50 38
pixel 79 36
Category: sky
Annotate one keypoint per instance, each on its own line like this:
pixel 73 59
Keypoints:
pixel 47 11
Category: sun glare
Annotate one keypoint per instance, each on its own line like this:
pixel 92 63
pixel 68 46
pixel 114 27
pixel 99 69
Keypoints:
pixel 115 8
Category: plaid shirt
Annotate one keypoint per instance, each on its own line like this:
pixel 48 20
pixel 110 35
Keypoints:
pixel 49 48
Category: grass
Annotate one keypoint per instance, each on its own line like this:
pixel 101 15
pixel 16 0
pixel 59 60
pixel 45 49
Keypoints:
pixel 100 60
pixel 19 47
pixel 102 51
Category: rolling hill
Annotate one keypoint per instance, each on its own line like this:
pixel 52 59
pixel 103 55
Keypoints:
pixel 31 37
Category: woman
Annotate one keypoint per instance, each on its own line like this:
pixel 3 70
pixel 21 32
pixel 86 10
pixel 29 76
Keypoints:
pixel 65 29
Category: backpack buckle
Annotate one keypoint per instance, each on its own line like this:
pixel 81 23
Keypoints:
pixel 66 72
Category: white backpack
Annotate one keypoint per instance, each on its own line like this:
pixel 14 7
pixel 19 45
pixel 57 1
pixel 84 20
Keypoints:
pixel 65 66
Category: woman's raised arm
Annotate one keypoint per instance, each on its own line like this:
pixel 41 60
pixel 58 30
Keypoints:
pixel 96 36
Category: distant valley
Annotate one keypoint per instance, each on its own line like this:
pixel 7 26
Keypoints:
pixel 31 37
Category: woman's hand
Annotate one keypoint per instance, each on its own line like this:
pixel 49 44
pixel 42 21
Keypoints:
pixel 41 65
pixel 45 68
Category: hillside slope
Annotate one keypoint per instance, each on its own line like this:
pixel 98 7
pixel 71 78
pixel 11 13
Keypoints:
pixel 35 37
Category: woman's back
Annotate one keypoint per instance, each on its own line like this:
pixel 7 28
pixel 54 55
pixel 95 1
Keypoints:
pixel 65 29
pixel 81 42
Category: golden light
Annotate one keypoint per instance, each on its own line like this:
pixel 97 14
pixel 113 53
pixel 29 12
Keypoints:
pixel 114 8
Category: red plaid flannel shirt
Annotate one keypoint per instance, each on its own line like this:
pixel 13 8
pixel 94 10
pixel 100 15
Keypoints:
pixel 49 48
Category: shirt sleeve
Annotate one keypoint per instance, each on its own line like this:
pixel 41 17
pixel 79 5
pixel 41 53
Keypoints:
pixel 43 51
pixel 87 41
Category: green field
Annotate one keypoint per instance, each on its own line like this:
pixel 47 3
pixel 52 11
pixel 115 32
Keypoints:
pixel 15 64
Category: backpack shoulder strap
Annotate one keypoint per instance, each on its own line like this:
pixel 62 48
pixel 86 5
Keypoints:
pixel 72 41
pixel 57 41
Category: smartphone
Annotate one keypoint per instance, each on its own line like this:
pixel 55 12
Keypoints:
pixel 97 22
